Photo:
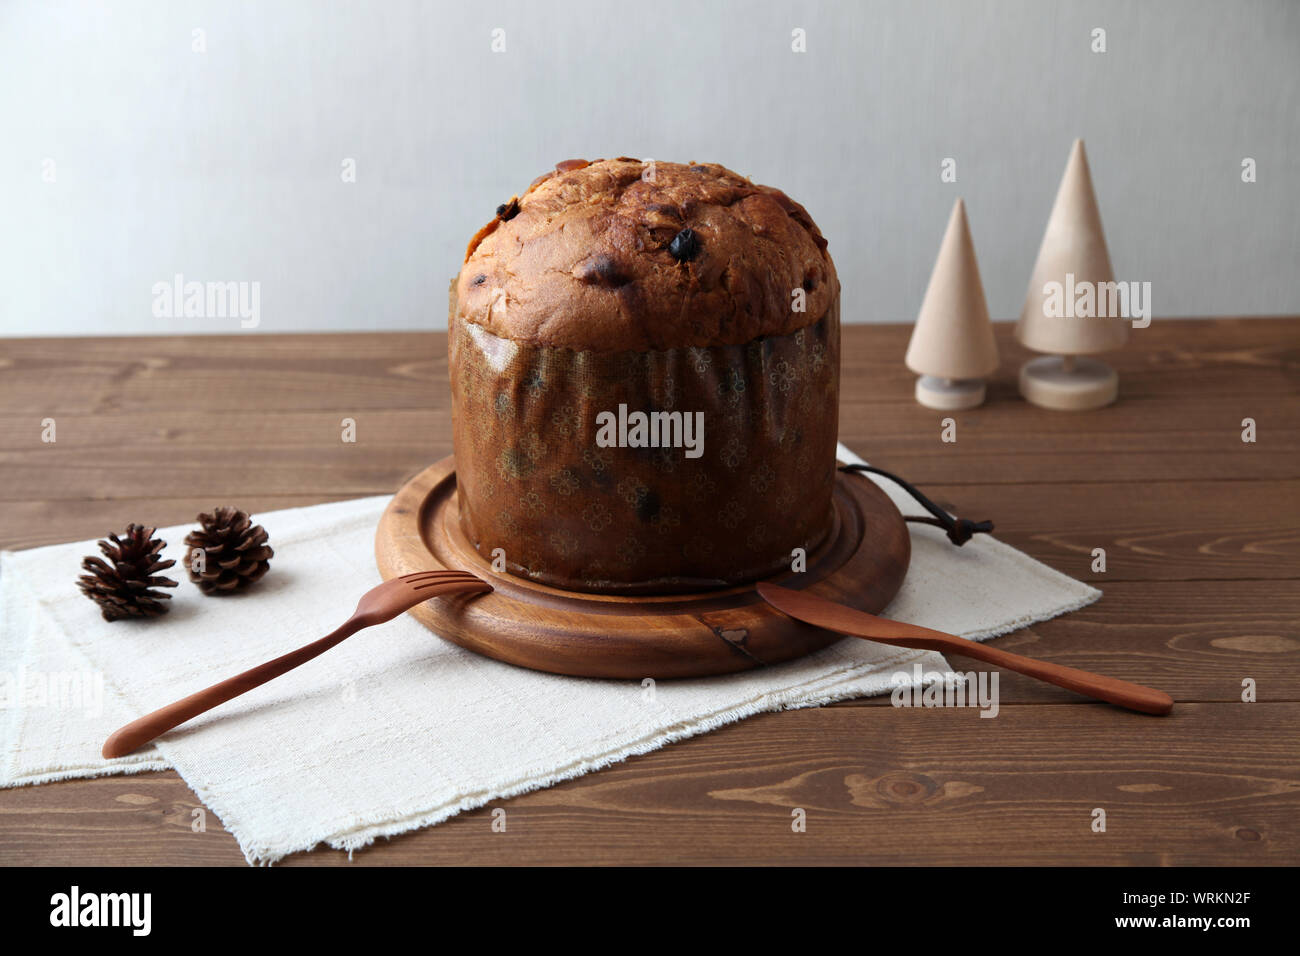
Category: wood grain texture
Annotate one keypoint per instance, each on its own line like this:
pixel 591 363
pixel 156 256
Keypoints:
pixel 1197 640
pixel 862 563
pixel 1212 784
pixel 1202 590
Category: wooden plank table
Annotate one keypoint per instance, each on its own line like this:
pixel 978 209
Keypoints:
pixel 1202 540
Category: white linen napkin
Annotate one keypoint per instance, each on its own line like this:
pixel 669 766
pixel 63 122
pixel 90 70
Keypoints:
pixel 396 729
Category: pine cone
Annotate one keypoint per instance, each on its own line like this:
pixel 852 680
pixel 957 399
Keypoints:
pixel 125 588
pixel 235 553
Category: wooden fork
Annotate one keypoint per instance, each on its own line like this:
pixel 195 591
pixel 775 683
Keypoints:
pixel 376 606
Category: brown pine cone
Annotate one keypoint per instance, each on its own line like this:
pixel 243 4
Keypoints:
pixel 125 588
pixel 234 552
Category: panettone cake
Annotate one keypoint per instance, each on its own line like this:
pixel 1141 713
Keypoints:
pixel 645 375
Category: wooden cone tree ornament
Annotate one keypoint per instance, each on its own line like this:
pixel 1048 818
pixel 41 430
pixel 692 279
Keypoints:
pixel 1064 315
pixel 952 346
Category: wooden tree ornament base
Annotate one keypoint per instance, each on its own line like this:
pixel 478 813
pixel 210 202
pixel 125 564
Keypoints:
pixel 862 564
pixel 1068 383
pixel 949 394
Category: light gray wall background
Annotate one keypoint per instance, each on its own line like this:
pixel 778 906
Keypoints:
pixel 225 164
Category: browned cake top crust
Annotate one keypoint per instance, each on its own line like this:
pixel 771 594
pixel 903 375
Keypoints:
pixel 606 256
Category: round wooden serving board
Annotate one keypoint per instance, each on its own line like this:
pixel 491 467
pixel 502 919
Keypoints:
pixel 861 564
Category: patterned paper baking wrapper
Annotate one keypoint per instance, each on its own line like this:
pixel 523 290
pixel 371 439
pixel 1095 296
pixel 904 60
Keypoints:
pixel 534 481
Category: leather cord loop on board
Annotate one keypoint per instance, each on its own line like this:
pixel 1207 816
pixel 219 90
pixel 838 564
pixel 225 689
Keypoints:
pixel 959 530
